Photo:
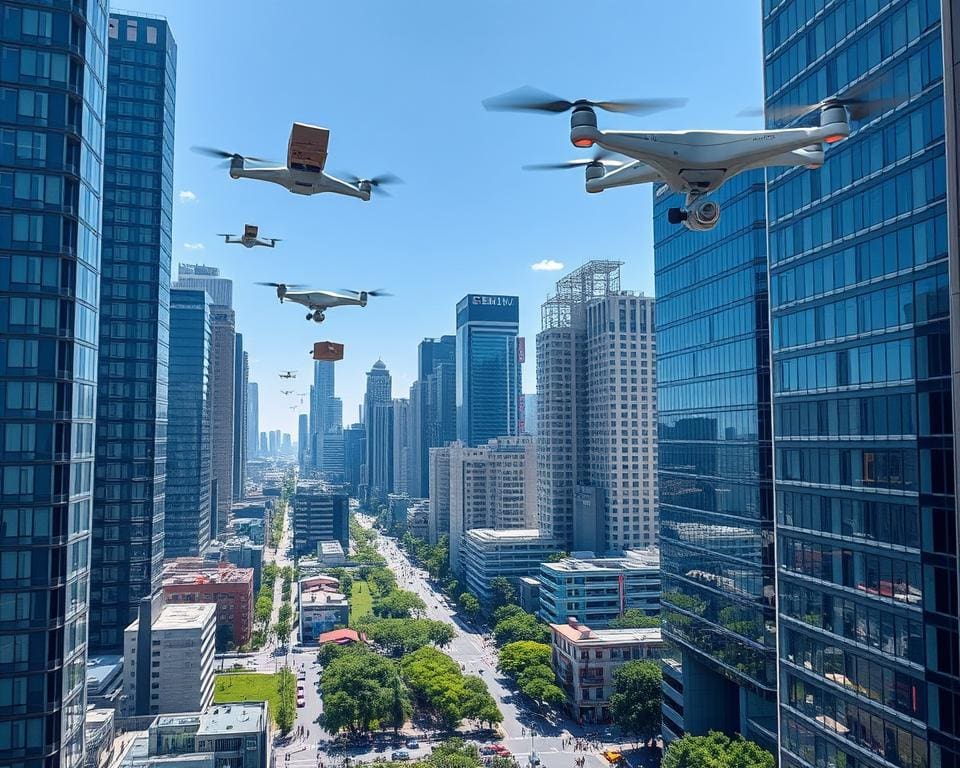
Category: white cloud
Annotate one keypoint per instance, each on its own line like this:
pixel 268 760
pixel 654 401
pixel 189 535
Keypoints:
pixel 193 246
pixel 547 265
pixel 186 196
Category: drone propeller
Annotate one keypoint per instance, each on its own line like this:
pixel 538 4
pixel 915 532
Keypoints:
pixel 376 292
pixel 288 286
pixel 228 156
pixel 600 156
pixel 376 182
pixel 855 99
pixel 527 99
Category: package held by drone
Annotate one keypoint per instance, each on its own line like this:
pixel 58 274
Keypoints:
pixel 308 146
pixel 328 350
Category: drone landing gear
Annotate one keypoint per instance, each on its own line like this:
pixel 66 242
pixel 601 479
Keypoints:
pixel 317 317
pixel 700 215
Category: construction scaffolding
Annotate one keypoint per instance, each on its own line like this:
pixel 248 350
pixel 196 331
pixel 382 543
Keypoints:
pixel 594 280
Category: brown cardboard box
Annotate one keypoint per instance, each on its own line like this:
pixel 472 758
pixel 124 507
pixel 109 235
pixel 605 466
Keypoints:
pixel 308 147
pixel 328 350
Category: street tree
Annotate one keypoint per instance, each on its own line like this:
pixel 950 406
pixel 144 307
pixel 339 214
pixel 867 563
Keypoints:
pixel 400 636
pixel 521 655
pixel 501 592
pixel 716 750
pixel 399 604
pixel 469 604
pixel 635 703
pixel 523 626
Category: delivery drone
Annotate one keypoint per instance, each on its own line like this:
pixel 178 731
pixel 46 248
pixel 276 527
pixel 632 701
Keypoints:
pixel 250 238
pixel 320 301
pixel 692 162
pixel 303 174
pixel 286 391
pixel 288 374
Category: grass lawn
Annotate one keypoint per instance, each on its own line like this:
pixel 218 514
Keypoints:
pixel 247 686
pixel 361 601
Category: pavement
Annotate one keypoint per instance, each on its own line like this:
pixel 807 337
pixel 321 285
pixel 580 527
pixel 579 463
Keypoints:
pixel 523 729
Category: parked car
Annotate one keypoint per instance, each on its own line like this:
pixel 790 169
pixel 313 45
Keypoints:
pixel 400 754
pixel 413 744
pixel 488 749
pixel 301 702
pixel 501 750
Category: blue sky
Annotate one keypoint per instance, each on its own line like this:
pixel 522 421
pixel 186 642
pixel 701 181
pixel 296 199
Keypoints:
pixel 399 85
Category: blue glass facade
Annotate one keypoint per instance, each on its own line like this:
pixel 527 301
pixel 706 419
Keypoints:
pixel 715 457
pixel 127 551
pixel 488 382
pixel 52 75
pixel 435 406
pixel 187 520
pixel 864 456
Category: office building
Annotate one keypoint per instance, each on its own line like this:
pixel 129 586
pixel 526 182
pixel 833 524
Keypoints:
pixel 286 444
pixel 433 402
pixel 187 506
pixel 233 735
pixel 402 431
pixel 597 590
pixel 530 414
pixel 222 380
pixel 487 368
pixel 597 481
pixel 264 449
pixel 378 421
pixel 418 518
pixel 49 263
pixel 274 440
pixel 354 450
pixel 253 420
pixel 716 515
pixel 862 255
pixel 486 553
pixel 241 372
pixel 438 523
pixel 586 659
pixel 231 589
pixel 126 550
pixel 326 421
pixel 319 514
pixel 333 458
pixel 491 486
pixel 303 443
pixel 168 667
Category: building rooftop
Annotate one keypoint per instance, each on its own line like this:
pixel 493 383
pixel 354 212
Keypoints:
pixel 515 534
pixel 581 635
pixel 633 560
pixel 180 720
pixel 331 548
pixel 102 669
pixel 319 597
pixel 339 636
pixel 245 717
pixel 185 616
pixel 197 571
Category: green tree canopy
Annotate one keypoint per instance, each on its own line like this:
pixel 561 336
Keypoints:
pixel 635 703
pixel 443 693
pixel 524 626
pixel 360 691
pixel 399 604
pixel 716 750
pixel 506 612
pixel 400 636
pixel 470 604
pixel 518 656
pixel 634 618
pixel 501 592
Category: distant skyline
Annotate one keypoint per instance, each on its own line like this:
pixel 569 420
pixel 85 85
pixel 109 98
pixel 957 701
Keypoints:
pixel 399 85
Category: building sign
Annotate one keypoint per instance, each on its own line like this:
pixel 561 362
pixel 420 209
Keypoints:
pixel 489 307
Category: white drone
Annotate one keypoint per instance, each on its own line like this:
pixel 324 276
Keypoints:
pixel 320 301
pixel 693 162
pixel 288 374
pixel 303 174
pixel 250 238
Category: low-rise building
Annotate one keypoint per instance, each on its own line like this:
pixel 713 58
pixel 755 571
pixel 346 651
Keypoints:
pixel 245 553
pixel 320 611
pixel 169 667
pixel 104 680
pixel 597 590
pixel 585 659
pixel 418 519
pixel 99 731
pixel 487 553
pixel 331 554
pixel 222 736
pixel 191 580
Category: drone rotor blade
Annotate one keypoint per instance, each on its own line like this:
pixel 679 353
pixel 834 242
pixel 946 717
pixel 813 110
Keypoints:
pixel 527 99
pixel 214 152
pixel 379 292
pixel 638 106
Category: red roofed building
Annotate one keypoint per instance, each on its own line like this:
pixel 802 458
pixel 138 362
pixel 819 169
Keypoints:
pixel 339 636
pixel 191 580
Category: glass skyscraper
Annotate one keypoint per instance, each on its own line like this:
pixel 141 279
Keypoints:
pixel 715 455
pixel 488 382
pixel 860 270
pixel 433 406
pixel 188 510
pixel 52 93
pixel 127 549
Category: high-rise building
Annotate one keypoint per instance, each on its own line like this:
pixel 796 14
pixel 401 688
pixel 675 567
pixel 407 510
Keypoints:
pixel 438 521
pixel 862 257
pixel 303 441
pixel 49 281
pixel 487 368
pixel 402 429
pixel 433 403
pixel 378 421
pixel 222 380
pixel 241 372
pixel 253 420
pixel 319 514
pixel 264 445
pixel 490 486
pixel 274 441
pixel 354 450
pixel 530 414
pixel 326 418
pixel 286 443
pixel 187 515
pixel 126 552
pixel 716 516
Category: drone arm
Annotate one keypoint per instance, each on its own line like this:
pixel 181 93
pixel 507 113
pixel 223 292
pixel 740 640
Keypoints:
pixel 275 175
pixel 631 173
pixel 345 188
